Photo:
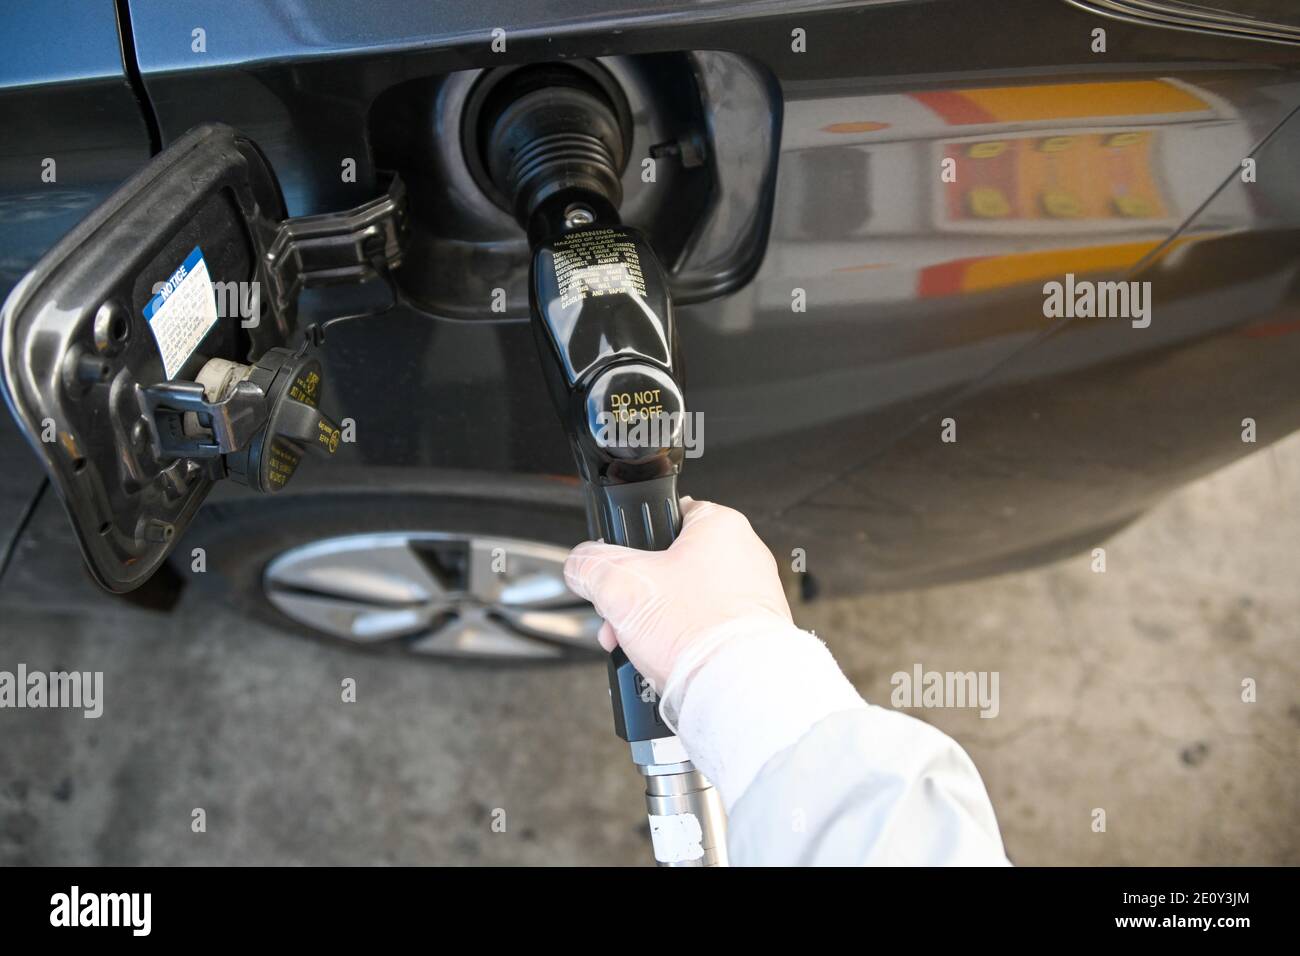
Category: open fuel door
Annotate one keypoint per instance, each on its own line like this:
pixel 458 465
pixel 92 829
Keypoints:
pixel 147 355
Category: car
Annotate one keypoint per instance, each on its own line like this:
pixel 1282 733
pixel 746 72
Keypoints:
pixel 959 288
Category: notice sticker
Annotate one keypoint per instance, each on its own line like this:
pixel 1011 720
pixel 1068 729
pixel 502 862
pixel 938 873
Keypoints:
pixel 182 312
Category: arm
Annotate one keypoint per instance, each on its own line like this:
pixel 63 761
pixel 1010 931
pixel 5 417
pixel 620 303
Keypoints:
pixel 813 775
pixel 809 772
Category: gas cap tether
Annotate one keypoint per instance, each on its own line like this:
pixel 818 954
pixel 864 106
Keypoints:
pixel 251 423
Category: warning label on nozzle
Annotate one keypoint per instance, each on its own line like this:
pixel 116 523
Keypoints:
pixel 597 262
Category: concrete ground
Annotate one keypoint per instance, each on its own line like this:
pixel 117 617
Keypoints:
pixel 1119 691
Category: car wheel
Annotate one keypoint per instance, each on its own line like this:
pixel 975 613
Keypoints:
pixel 432 578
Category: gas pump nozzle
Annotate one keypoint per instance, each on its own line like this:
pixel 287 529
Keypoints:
pixel 603 319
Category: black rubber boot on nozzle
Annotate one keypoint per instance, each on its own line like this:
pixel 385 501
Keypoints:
pixel 550 129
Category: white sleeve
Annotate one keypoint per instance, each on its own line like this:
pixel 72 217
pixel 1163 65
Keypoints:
pixel 813 775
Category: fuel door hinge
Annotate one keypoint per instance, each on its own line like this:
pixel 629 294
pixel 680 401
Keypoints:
pixel 355 245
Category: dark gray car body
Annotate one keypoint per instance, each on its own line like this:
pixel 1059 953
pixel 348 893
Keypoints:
pixel 887 307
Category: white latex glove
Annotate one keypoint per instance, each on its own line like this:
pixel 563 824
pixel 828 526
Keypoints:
pixel 657 604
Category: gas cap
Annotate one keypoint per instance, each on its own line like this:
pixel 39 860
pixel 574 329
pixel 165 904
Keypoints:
pixel 291 383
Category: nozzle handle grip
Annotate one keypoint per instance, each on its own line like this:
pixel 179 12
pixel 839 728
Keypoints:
pixel 645 515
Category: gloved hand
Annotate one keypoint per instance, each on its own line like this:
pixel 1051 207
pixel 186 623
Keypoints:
pixel 657 604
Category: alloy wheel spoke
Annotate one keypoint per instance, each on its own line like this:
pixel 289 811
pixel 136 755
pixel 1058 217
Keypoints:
pixel 362 622
pixel 575 625
pixel 377 569
pixel 473 632
pixel 516 573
